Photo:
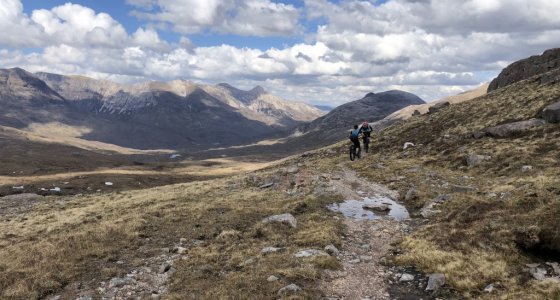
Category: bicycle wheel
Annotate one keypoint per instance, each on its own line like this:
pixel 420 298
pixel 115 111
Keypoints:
pixel 352 153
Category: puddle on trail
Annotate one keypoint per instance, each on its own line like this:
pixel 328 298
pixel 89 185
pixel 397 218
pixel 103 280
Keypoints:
pixel 353 209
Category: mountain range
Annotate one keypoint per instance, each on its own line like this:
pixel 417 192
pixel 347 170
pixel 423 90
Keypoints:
pixel 149 115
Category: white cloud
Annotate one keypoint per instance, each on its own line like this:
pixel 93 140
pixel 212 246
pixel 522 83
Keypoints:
pixel 417 46
pixel 242 17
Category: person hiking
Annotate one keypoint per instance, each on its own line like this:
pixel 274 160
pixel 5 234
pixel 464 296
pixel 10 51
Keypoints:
pixel 366 129
pixel 355 137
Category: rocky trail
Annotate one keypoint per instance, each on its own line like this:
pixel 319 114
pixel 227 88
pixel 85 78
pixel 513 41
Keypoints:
pixel 369 239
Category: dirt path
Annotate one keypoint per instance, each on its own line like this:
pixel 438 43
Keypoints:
pixel 367 241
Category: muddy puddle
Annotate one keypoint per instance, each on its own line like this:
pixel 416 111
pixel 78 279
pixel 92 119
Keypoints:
pixel 354 209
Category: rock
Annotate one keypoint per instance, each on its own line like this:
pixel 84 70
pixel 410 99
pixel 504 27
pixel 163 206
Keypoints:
pixel 292 170
pixel 85 298
pixel 108 183
pixel 181 250
pixel 538 273
pixel 120 282
pixel 411 194
pixel 407 145
pixel 428 212
pixel 526 169
pixel 406 277
pixel 434 108
pixel 513 129
pixel 292 288
pixel 462 189
pixel 416 113
pixel 478 134
pixel 183 240
pixel 272 278
pixel 55 190
pixel 288 219
pixel 435 281
pixel 475 159
pixel 526 68
pixel 309 253
pixel 248 262
pixel 551 113
pixel 164 268
pixel 366 258
pixel 489 288
pixel 268 250
pixel 376 206
pixel 365 247
pixel 354 261
pixel 332 250
pixel 266 185
pixel 555 266
pixel 20 187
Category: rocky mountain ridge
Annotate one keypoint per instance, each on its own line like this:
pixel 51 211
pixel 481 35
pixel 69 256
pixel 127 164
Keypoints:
pixel 526 68
pixel 149 115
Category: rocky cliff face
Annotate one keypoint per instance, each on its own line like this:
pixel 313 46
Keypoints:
pixel 526 68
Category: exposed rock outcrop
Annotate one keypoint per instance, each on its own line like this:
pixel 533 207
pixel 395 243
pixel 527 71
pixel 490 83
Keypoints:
pixel 526 68
pixel 513 129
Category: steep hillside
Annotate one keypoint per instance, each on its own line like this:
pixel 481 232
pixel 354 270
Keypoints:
pixel 489 187
pixel 150 115
pixel 373 107
pixel 409 111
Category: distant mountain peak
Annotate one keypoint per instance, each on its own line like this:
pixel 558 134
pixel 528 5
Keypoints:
pixel 370 94
pixel 258 90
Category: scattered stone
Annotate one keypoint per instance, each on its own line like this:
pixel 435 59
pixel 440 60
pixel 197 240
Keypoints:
pixel 435 281
pixel 407 145
pixel 248 262
pixel 411 194
pixel 376 206
pixel 491 195
pixel 164 268
pixel 512 129
pixel 489 288
pixel 429 212
pixel 288 219
pixel 292 170
pixel 181 250
pixel 478 134
pixel 538 273
pixel 182 240
pixel 406 277
pixel 355 261
pixel 434 108
pixel 366 246
pixel 555 266
pixel 55 190
pixel 266 185
pixel 292 288
pixel 272 278
pixel 366 258
pixel 309 253
pixel 18 187
pixel 551 113
pixel 120 282
pixel 108 183
pixel 416 113
pixel 174 156
pixel 332 250
pixel 268 250
pixel 475 159
pixel 526 169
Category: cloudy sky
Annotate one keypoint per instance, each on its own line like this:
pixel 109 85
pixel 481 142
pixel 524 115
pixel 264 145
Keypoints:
pixel 318 51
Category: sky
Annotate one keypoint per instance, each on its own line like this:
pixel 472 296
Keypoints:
pixel 324 52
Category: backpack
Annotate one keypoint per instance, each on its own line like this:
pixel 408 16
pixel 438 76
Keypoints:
pixel 354 134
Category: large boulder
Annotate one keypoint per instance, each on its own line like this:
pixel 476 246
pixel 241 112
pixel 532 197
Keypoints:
pixel 526 68
pixel 551 113
pixel 288 219
pixel 513 129
pixel 435 108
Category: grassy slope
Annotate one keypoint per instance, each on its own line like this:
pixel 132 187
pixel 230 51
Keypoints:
pixel 476 239
pixel 80 239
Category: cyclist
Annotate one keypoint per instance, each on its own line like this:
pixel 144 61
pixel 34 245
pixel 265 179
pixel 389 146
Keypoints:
pixel 355 137
pixel 366 129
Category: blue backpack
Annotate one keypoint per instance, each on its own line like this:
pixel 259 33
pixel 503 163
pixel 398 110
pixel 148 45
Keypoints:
pixel 355 133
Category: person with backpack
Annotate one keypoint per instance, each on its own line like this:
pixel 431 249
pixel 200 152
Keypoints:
pixel 366 129
pixel 355 137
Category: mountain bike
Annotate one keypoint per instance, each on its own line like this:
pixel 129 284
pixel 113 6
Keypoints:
pixel 354 152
